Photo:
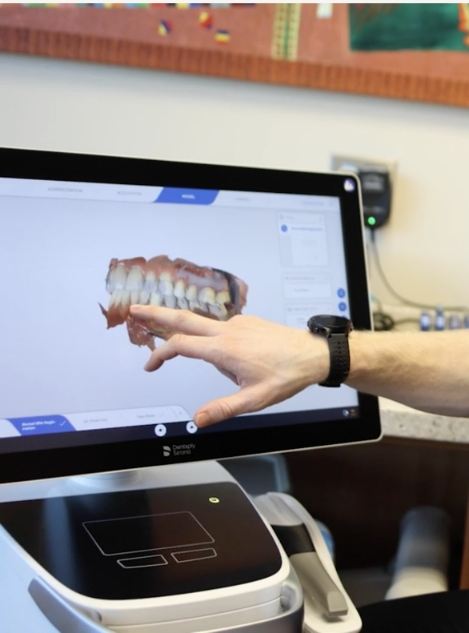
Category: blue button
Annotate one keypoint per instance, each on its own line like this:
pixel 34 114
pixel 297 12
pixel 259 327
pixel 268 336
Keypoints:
pixel 342 306
pixel 187 196
pixel 284 228
pixel 341 293
pixel 42 424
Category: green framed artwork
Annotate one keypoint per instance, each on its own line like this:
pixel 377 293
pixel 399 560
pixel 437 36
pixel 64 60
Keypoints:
pixel 423 27
pixel 405 51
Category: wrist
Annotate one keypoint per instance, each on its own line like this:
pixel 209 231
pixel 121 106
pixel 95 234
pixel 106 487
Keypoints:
pixel 359 350
pixel 317 357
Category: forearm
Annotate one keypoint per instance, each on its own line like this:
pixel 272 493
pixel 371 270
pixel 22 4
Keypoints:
pixel 425 370
pixel 270 362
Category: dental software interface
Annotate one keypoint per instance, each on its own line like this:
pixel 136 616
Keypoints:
pixel 74 256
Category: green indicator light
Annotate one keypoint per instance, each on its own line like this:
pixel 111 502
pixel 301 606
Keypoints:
pixel 371 220
pixel 214 500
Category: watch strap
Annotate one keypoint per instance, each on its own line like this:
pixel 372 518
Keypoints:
pixel 340 360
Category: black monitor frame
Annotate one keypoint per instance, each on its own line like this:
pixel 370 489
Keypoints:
pixel 64 461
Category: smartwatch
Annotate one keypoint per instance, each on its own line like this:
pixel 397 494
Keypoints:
pixel 335 329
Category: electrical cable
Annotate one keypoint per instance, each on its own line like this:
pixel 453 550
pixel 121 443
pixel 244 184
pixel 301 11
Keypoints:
pixel 405 321
pixel 395 294
pixel 382 322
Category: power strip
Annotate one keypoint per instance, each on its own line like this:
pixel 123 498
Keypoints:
pixel 388 316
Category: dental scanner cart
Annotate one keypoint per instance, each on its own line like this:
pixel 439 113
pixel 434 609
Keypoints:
pixel 173 549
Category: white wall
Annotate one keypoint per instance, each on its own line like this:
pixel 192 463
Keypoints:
pixel 50 104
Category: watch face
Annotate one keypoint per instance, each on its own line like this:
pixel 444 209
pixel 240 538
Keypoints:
pixel 329 323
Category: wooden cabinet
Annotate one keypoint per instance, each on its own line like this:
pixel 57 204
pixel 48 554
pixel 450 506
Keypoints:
pixel 464 583
pixel 362 492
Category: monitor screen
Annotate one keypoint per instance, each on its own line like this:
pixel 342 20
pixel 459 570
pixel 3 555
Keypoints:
pixel 83 237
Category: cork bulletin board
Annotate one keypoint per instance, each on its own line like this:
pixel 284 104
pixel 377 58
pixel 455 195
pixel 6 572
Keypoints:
pixel 405 51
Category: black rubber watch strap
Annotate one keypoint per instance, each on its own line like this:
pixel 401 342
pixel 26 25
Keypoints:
pixel 340 360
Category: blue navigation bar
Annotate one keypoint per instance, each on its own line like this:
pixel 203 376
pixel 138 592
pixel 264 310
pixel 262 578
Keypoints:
pixel 42 424
pixel 178 195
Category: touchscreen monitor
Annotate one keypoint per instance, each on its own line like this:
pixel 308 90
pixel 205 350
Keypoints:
pixel 83 237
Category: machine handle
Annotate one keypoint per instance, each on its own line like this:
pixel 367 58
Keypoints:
pixel 60 614
pixel 318 584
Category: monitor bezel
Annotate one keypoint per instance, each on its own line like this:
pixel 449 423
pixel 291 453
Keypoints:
pixel 59 462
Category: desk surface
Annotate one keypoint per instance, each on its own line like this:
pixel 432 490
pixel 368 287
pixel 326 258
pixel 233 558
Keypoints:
pixel 400 421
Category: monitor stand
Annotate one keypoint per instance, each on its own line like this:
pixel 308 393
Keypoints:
pixel 157 550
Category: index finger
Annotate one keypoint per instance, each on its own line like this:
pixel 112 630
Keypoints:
pixel 174 320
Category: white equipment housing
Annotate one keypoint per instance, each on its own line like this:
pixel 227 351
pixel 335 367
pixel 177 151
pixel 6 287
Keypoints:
pixel 267 600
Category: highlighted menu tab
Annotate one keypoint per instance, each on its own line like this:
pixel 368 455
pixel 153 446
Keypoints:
pixel 42 424
pixel 187 196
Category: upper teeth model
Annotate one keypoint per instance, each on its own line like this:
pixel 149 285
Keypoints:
pixel 174 283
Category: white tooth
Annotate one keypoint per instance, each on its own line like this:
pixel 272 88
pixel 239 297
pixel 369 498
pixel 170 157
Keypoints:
pixel 134 279
pixel 191 293
pixel 111 279
pixel 112 299
pixel 183 303
pixel 207 295
pixel 194 305
pixel 151 283
pixel 156 299
pixel 144 297
pixel 179 289
pixel 165 284
pixel 219 311
pixel 125 297
pixel 223 297
pixel 110 285
pixel 119 277
pixel 170 301
pixel 116 297
pixel 134 296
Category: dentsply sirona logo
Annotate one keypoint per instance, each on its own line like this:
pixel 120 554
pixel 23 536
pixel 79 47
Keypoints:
pixel 178 450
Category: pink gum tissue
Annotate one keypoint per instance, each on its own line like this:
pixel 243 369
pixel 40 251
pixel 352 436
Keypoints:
pixel 173 283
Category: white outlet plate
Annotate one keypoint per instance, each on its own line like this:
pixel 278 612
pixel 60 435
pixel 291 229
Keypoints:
pixel 345 162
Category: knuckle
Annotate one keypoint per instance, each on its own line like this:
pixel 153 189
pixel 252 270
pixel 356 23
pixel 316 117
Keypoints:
pixel 184 320
pixel 181 317
pixel 176 340
pixel 226 410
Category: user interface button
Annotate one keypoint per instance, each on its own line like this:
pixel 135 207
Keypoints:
pixel 191 427
pixel 190 556
pixel 160 430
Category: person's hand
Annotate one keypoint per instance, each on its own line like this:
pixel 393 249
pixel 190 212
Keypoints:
pixel 268 361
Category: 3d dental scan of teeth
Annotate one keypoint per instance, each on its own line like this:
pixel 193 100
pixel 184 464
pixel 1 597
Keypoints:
pixel 178 283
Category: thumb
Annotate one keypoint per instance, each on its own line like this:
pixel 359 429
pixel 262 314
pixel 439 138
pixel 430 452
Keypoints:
pixel 243 401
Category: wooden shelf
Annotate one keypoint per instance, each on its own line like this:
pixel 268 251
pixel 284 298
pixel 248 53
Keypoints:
pixel 464 583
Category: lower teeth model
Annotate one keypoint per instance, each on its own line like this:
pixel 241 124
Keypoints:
pixel 178 283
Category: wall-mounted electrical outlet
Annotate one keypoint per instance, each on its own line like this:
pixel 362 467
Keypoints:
pixel 377 179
